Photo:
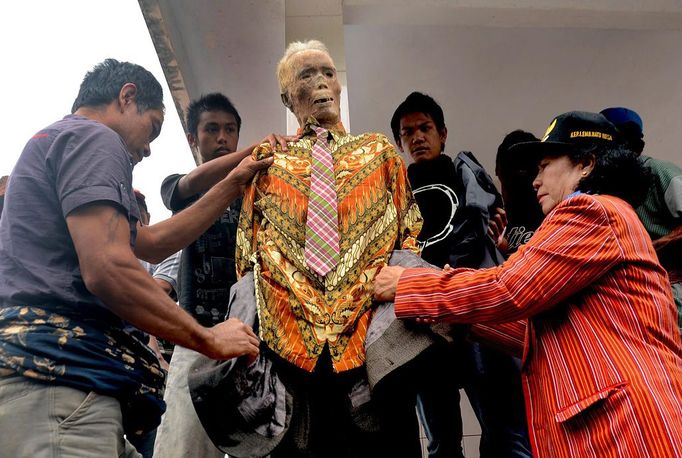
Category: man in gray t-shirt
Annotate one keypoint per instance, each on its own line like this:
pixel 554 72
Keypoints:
pixel 70 372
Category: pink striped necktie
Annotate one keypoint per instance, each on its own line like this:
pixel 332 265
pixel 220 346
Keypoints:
pixel 322 224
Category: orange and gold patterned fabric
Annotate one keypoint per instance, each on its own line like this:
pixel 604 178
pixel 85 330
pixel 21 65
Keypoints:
pixel 299 311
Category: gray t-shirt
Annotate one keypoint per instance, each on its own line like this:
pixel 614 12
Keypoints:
pixel 53 329
pixel 73 162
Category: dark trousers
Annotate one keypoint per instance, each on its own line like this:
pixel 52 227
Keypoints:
pixel 325 423
pixel 493 385
pixel 144 443
pixel 438 400
pixel 492 382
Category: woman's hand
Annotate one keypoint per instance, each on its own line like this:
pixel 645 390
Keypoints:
pixel 386 283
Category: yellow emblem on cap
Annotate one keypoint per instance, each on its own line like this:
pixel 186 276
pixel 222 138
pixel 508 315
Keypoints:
pixel 549 130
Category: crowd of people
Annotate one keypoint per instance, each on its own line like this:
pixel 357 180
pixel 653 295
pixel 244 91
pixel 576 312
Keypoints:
pixel 322 299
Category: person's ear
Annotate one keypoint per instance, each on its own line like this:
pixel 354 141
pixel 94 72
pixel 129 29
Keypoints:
pixel 127 95
pixel 443 137
pixel 587 165
pixel 286 101
pixel 192 140
pixel 399 144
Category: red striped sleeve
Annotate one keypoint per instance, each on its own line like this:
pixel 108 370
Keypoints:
pixel 508 337
pixel 574 246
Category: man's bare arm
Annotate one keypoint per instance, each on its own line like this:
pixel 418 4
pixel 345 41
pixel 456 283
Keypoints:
pixel 158 241
pixel 164 285
pixel 101 236
pixel 205 176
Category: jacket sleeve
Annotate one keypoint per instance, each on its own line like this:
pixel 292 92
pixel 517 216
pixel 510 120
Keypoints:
pixel 574 247
pixel 249 222
pixel 409 218
pixel 508 337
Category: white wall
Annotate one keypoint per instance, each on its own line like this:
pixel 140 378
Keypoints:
pixel 490 81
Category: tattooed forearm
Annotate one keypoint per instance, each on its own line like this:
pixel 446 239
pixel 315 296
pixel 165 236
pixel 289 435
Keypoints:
pixel 113 224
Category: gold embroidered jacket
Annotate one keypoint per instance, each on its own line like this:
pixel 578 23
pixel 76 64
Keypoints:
pixel 299 311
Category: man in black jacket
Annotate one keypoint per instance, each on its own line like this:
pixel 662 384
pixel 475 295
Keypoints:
pixel 455 232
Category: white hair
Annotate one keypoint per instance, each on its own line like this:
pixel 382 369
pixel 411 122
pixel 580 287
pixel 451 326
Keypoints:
pixel 284 76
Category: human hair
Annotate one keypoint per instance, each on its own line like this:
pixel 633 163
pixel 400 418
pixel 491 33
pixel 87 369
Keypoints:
pixel 417 103
pixel 631 136
pixel 618 171
pixel 210 102
pixel 103 83
pixel 284 75
pixel 506 164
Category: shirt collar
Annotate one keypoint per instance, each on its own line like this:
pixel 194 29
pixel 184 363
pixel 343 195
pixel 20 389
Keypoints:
pixel 337 131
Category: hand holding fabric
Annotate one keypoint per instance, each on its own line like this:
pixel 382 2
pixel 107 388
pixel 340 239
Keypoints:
pixel 386 283
pixel 231 339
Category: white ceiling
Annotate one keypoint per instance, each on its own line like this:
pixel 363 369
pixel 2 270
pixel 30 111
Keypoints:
pixel 233 46
pixel 603 14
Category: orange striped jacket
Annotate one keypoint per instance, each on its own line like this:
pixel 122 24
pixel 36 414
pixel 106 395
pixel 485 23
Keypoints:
pixel 602 354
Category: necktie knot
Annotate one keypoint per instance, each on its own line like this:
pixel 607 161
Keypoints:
pixel 322 134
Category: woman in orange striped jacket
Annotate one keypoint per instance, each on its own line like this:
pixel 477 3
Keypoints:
pixel 585 302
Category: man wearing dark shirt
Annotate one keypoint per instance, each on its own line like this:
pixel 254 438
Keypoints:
pixel 70 372
pixel 451 235
pixel 207 269
pixel 523 211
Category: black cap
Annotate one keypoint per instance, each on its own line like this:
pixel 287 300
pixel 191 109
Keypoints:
pixel 575 130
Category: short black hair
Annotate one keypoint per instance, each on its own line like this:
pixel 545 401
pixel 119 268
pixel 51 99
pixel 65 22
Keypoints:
pixel 618 171
pixel 103 83
pixel 417 103
pixel 506 163
pixel 210 102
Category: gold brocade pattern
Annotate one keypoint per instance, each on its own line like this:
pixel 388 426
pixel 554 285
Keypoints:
pixel 299 311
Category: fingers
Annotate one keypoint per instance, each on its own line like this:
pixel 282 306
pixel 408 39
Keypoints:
pixel 497 224
pixel 247 168
pixel 281 140
pixel 275 140
pixel 252 350
pixel 235 339
pixel 250 332
pixel 424 320
pixel 262 164
pixel 499 212
pixel 253 340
